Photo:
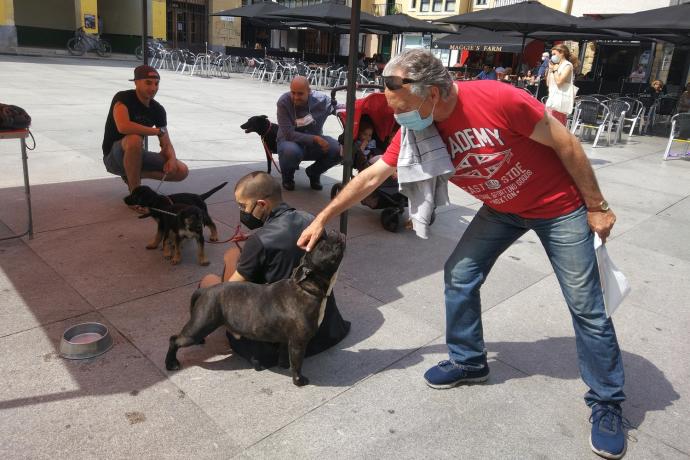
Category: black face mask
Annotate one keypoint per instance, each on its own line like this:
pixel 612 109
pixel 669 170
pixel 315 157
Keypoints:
pixel 250 221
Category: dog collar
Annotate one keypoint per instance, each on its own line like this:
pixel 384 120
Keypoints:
pixel 268 128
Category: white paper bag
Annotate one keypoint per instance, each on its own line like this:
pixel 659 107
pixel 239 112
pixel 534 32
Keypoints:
pixel 614 285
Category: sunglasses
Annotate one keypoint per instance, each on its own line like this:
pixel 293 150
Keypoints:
pixel 394 83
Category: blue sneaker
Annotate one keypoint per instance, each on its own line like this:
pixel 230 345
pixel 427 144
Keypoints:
pixel 449 374
pixel 608 438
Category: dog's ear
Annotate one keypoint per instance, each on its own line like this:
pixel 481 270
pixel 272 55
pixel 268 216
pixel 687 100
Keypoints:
pixel 264 116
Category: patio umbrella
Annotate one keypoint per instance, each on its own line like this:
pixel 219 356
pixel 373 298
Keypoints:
pixel 335 14
pixel 667 20
pixel 256 10
pixel 524 18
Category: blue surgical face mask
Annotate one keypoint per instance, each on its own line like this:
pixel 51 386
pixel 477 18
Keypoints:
pixel 413 120
pixel 555 59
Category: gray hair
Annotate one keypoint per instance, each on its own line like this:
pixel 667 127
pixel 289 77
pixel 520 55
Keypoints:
pixel 421 65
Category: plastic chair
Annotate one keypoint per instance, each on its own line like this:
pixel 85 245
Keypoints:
pixel 665 107
pixel 618 109
pixel 680 132
pixel 634 116
pixel 591 115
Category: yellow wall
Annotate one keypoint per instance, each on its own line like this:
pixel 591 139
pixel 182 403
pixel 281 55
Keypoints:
pixel 6 13
pixel 89 7
pixel 158 18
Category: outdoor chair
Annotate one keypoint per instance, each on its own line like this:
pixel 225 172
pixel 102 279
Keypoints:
pixel 591 115
pixel 271 71
pixel 680 132
pixel 613 96
pixel 187 60
pixel 617 111
pixel 648 113
pixel 665 108
pixel 259 67
pixel 634 116
pixel 599 97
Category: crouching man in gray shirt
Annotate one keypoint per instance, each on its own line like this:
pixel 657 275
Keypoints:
pixel 301 115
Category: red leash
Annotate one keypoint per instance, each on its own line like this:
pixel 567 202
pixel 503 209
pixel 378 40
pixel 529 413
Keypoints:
pixel 236 238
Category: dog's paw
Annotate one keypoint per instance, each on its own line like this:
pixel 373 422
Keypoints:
pixel 213 238
pixel 175 260
pixel 172 365
pixel 300 381
pixel 151 246
pixel 204 263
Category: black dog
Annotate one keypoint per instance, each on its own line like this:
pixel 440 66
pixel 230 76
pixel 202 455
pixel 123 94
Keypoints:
pixel 179 216
pixel 286 312
pixel 268 131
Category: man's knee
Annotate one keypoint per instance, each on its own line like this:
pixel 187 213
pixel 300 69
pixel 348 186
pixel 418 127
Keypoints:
pixel 462 272
pixel 209 280
pixel 182 171
pixel 290 151
pixel 132 144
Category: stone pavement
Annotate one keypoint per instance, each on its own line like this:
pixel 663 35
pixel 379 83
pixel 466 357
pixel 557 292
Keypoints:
pixel 367 398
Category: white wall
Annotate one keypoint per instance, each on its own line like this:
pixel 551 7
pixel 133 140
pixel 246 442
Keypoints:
pixel 581 7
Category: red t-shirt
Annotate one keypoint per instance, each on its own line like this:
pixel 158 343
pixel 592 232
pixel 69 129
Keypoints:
pixel 495 160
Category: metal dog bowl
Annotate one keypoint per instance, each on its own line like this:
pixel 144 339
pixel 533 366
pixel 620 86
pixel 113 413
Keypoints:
pixel 86 340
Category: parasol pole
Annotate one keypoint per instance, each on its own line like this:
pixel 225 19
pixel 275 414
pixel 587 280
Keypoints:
pixel 350 103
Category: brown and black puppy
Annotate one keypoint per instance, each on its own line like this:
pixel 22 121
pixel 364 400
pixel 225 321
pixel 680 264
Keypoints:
pixel 145 197
pixel 287 312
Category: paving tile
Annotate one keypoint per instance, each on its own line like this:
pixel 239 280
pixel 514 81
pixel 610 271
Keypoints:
pixel 114 405
pixel 33 293
pixel 395 415
pixel 251 404
pixel 122 269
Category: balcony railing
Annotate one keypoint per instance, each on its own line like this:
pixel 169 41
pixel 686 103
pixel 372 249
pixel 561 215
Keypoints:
pixel 497 3
pixel 386 8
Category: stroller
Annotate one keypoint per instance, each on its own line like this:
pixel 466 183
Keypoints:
pixel 373 109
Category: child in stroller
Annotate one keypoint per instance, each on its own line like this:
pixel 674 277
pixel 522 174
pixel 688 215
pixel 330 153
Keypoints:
pixel 373 130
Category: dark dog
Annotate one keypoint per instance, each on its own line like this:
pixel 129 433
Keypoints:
pixel 286 312
pixel 268 131
pixel 179 216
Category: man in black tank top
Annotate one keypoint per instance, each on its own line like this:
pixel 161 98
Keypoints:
pixel 269 255
pixel 133 115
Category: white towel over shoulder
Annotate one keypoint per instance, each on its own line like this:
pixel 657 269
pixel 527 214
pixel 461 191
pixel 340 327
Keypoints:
pixel 424 167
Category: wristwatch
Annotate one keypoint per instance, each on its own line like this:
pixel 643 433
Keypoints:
pixel 603 207
pixel 162 131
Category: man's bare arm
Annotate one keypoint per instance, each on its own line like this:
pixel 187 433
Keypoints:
pixel 552 133
pixel 125 126
pixel 358 188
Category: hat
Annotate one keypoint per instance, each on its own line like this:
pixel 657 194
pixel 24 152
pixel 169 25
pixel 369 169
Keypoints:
pixel 500 70
pixel 143 72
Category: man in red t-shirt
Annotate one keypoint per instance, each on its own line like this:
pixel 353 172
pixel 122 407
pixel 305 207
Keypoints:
pixel 532 174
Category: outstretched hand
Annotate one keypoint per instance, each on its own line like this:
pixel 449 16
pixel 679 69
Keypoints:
pixel 310 236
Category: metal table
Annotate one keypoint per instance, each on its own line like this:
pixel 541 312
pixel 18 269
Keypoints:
pixel 21 134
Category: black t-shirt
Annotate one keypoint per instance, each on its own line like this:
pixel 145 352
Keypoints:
pixel 271 253
pixel 153 115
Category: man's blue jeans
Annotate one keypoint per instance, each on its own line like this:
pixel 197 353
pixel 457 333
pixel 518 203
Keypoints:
pixel 291 154
pixel 568 242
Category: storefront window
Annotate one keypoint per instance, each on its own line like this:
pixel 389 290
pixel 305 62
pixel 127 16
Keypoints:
pixel 450 5
pixel 424 5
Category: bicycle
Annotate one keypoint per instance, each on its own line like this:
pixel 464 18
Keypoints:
pixel 152 45
pixel 83 42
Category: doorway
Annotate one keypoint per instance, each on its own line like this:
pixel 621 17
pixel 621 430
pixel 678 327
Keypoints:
pixel 187 24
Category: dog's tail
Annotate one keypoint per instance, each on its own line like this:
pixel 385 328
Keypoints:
pixel 212 191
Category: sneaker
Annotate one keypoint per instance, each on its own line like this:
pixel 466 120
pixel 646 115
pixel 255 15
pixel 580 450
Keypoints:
pixel 608 438
pixel 449 374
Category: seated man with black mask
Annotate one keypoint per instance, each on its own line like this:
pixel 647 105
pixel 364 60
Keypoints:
pixel 270 254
